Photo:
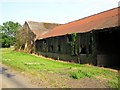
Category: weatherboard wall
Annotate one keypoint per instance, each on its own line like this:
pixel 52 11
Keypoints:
pixel 89 48
pixel 60 48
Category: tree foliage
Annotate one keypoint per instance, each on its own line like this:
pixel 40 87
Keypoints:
pixel 8 32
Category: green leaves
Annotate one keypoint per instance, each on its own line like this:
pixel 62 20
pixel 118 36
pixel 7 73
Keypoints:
pixel 10 28
pixel 8 32
pixel 74 37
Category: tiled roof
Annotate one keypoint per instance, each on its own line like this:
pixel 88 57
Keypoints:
pixel 40 28
pixel 101 20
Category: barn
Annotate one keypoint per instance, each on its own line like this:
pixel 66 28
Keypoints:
pixel 31 30
pixel 90 40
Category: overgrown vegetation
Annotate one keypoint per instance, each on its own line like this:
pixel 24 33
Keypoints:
pixel 40 66
pixel 24 40
pixel 73 43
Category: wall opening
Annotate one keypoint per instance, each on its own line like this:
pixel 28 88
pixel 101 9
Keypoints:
pixel 108 48
pixel 51 48
pixel 69 38
pixel 83 49
pixel 44 41
pixel 59 48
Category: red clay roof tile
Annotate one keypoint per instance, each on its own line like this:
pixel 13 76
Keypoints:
pixel 101 20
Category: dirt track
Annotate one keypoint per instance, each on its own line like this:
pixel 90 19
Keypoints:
pixel 12 79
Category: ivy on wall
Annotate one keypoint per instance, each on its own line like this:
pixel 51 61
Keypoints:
pixel 73 42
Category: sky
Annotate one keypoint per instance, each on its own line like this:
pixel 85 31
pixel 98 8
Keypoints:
pixel 54 11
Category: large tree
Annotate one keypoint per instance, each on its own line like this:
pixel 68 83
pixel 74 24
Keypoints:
pixel 7 32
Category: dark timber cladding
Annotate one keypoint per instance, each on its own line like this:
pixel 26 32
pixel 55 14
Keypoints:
pixel 93 40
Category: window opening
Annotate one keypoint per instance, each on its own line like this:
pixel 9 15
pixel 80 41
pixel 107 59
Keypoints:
pixel 83 49
pixel 59 48
pixel 51 47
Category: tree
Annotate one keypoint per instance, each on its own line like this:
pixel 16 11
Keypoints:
pixel 8 32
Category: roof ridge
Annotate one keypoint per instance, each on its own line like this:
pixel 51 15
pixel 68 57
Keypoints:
pixel 82 25
pixel 43 22
pixel 93 15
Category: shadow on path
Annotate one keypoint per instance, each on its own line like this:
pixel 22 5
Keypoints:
pixel 3 71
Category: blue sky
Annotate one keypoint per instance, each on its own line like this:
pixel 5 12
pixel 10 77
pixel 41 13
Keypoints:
pixel 55 11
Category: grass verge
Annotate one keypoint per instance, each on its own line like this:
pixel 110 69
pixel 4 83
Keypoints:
pixel 34 65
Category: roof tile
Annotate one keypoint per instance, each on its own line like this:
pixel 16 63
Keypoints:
pixel 101 20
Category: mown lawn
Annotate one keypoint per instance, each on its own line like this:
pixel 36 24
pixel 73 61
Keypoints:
pixel 32 65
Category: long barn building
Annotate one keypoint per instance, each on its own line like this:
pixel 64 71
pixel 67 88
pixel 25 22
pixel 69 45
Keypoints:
pixel 90 40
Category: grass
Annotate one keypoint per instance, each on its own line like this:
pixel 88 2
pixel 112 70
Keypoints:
pixel 34 65
pixel 80 74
